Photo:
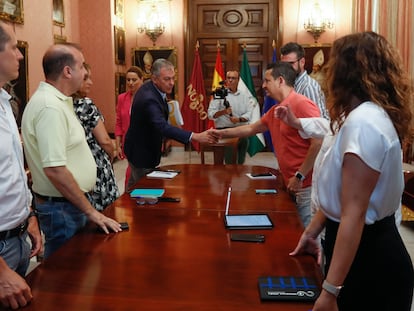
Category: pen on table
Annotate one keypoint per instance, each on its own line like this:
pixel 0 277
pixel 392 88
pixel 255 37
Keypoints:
pixel 228 200
pixel 266 191
pixel 262 174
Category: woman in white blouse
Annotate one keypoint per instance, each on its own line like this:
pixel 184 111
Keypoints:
pixel 360 181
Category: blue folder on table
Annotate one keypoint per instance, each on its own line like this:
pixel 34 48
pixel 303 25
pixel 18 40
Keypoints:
pixel 147 193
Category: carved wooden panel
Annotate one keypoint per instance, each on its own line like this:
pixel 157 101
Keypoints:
pixel 253 24
pixel 232 57
pixel 228 18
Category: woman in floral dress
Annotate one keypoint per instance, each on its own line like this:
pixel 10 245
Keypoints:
pixel 102 146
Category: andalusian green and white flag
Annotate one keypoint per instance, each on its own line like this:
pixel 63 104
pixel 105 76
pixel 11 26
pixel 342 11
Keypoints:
pixel 257 142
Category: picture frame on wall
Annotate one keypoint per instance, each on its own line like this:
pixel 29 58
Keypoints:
pixel 143 57
pixel 119 8
pixel 19 88
pixel 58 13
pixel 120 84
pixel 119 39
pixel 119 13
pixel 316 57
pixel 12 11
pixel 59 39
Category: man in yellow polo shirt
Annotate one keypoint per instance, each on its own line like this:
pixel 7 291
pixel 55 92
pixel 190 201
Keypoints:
pixel 61 163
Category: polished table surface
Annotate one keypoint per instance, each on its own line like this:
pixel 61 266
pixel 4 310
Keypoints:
pixel 178 256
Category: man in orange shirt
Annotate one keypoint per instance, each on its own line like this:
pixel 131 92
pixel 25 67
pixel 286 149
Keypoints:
pixel 296 155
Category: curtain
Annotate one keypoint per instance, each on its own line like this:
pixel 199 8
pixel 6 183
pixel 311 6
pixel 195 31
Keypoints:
pixel 392 19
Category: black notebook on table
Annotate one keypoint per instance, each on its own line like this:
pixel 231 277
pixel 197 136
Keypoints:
pixel 288 288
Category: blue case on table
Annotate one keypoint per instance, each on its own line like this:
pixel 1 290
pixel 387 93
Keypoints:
pixel 288 288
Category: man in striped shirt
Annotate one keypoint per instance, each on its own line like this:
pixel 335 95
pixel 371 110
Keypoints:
pixel 294 54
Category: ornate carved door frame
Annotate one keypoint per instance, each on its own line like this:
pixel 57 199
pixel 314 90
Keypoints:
pixel 253 23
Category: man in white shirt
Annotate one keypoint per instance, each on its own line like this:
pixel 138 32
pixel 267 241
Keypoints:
pixel 233 110
pixel 16 221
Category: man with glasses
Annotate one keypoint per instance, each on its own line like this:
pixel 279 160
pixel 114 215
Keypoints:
pixel 234 110
pixel 294 54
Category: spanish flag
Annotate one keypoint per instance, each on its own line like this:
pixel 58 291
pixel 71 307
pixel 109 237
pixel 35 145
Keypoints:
pixel 218 76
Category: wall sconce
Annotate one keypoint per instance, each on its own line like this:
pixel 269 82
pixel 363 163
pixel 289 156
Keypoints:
pixel 317 22
pixel 151 23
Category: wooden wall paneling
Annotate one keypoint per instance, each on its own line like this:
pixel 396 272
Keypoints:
pixel 252 23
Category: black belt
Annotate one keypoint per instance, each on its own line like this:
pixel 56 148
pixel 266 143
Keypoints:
pixel 18 231
pixel 51 199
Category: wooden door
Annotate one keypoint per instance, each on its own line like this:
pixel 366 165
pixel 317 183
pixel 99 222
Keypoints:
pixel 253 24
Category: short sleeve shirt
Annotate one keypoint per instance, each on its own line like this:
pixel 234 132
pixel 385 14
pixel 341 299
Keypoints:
pixel 368 133
pixel 53 136
pixel 290 147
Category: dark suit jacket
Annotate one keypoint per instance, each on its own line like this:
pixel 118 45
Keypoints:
pixel 148 126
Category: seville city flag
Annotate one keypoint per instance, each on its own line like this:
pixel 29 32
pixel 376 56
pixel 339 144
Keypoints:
pixel 194 109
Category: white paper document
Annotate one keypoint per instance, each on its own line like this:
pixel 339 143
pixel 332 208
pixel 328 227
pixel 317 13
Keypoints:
pixel 261 176
pixel 162 174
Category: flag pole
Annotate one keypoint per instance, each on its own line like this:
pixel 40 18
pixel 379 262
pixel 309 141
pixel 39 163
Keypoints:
pixel 197 45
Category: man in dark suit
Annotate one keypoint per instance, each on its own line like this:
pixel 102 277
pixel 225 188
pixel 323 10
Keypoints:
pixel 149 123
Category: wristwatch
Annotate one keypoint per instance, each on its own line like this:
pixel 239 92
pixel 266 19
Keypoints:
pixel 299 176
pixel 332 289
pixel 32 214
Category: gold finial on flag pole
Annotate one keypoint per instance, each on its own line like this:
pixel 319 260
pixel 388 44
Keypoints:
pixel 274 44
pixel 218 44
pixel 244 45
pixel 197 45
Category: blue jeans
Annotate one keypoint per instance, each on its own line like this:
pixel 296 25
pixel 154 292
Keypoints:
pixel 16 253
pixel 59 221
pixel 302 199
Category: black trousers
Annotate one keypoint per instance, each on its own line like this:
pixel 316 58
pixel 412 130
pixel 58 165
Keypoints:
pixel 381 276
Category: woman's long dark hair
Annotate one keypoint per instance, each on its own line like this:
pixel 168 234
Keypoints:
pixel 365 66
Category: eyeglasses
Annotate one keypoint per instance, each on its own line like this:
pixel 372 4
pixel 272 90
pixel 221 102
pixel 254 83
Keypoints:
pixel 231 78
pixel 149 201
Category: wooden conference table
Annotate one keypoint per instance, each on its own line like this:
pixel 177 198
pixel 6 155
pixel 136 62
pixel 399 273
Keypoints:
pixel 178 256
